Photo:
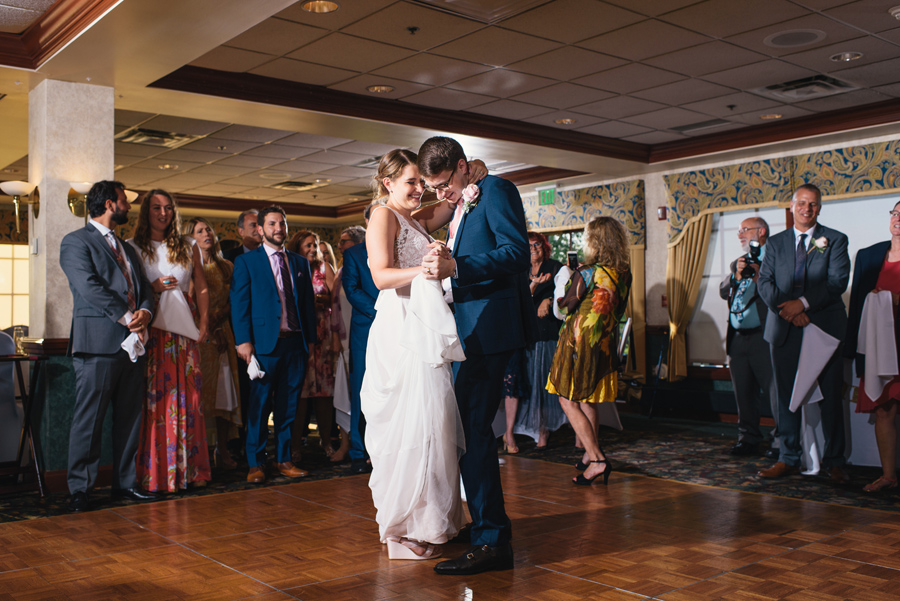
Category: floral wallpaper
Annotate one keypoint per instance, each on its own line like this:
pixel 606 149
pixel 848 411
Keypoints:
pixel 574 208
pixel 8 233
pixel 851 170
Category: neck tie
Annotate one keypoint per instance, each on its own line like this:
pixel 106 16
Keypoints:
pixel 800 264
pixel 737 307
pixel 114 244
pixel 454 224
pixel 293 320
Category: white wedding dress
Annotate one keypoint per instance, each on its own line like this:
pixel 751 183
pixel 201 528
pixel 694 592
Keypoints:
pixel 414 434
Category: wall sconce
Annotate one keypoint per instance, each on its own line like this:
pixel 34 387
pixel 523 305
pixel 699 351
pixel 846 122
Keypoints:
pixel 77 198
pixel 19 189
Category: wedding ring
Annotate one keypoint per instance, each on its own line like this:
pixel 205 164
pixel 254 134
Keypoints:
pixel 428 270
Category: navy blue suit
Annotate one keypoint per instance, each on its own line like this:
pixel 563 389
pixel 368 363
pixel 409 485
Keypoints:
pixel 256 318
pixel 494 316
pixel 356 278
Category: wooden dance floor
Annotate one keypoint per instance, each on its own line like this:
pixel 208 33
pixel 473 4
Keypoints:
pixel 640 538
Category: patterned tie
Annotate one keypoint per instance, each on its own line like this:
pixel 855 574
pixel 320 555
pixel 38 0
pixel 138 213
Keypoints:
pixel 737 307
pixel 114 244
pixel 800 264
pixel 292 320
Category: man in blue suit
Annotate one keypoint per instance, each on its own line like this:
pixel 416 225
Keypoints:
pixel 362 293
pixel 494 316
pixel 273 315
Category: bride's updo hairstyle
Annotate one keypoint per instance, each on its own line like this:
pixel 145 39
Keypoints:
pixel 390 166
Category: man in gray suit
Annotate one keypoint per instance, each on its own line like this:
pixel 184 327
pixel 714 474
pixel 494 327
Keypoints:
pixel 749 360
pixel 111 298
pixel 802 278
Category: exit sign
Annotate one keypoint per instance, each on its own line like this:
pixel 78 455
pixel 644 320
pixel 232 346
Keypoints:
pixel 547 196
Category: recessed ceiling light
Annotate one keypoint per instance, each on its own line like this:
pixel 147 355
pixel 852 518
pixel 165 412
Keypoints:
pixel 320 6
pixel 222 147
pixel 771 116
pixel 894 12
pixel 565 121
pixel 322 181
pixel 380 89
pixel 846 57
pixel 167 166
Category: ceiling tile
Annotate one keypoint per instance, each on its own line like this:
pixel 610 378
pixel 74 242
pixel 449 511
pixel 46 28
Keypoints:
pixel 237 60
pixel 189 179
pixel 190 156
pixel 571 20
pixel 313 141
pixel 655 137
pixel 276 37
pixel 132 176
pixel 843 101
pixel 563 95
pixel 301 166
pixel 681 92
pixel 629 78
pixel 873 50
pixel 666 118
pixel 705 58
pixel 653 8
pixel 567 63
pixel 348 52
pixel 121 161
pixel 293 70
pixel 156 162
pixel 348 172
pixel 224 147
pixel 620 106
pixel 248 133
pixel 432 70
pixel 183 125
pixel 334 157
pixel 349 12
pixel 631 42
pixel 822 4
pixel 448 99
pixel 785 110
pixel 509 109
pixel 733 104
pixel 614 129
pixel 497 47
pixel 366 148
pixel 501 83
pixel 869 15
pixel 16 20
pixel 722 18
pixel 279 151
pixel 834 32
pixel 890 89
pixel 215 189
pixel 242 160
pixel 221 170
pixel 129 118
pixel 549 119
pixel 390 25
pixel 361 83
pixel 137 150
pixel 714 130
pixel 759 75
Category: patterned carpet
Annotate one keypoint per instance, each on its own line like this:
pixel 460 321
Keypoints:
pixel 682 450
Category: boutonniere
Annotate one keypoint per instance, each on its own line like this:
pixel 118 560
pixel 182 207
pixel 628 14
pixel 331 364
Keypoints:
pixel 470 197
pixel 819 244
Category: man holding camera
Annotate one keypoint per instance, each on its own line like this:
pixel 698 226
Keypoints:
pixel 750 360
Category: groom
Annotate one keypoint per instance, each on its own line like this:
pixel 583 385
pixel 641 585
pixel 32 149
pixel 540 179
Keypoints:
pixel 487 266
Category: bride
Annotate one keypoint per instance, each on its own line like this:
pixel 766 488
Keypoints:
pixel 414 434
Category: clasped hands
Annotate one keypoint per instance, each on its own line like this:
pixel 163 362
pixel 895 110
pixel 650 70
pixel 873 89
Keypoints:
pixel 437 263
pixel 794 312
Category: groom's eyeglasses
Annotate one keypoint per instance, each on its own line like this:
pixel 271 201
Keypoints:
pixel 895 213
pixel 443 186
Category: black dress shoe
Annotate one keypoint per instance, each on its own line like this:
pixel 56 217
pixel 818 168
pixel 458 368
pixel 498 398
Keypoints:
pixel 772 454
pixel 360 466
pixel 742 449
pixel 134 494
pixel 463 536
pixel 477 560
pixel 78 502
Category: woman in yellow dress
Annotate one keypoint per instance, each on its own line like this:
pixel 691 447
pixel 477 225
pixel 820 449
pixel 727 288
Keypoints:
pixel 584 366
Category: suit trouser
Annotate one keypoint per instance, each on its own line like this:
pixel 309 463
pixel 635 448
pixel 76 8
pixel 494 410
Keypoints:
pixel 478 387
pixel 285 368
pixel 357 371
pixel 785 359
pixel 99 381
pixel 751 371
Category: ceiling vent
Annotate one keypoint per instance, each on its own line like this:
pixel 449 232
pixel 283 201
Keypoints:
pixel 807 88
pixel 695 127
pixel 152 137
pixel 295 186
pixel 371 163
pixel 484 11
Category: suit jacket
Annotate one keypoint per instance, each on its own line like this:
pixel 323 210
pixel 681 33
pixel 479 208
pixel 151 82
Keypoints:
pixel 866 270
pixel 256 306
pixel 726 291
pixel 360 290
pixel 827 274
pixel 492 303
pixel 100 290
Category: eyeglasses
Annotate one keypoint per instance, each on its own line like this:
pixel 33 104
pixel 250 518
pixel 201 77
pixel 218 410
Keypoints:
pixel 744 230
pixel 344 241
pixel 443 186
pixel 535 244
pixel 894 214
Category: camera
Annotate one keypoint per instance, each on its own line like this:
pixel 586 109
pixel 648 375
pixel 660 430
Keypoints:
pixel 752 259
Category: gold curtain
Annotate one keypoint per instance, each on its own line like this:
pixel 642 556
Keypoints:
pixel 684 271
pixel 637 312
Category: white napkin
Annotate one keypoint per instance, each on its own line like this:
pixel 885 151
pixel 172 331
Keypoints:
pixel 174 315
pixel 253 369
pixel 429 329
pixel 876 342
pixel 133 346
pixel 559 289
pixel 815 351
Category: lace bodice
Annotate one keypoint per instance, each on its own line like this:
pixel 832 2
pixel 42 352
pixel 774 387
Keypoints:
pixel 412 242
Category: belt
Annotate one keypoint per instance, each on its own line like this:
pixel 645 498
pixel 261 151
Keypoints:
pixel 289 334
pixel 748 331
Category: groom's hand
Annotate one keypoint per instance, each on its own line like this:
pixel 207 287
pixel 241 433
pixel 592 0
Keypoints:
pixel 438 266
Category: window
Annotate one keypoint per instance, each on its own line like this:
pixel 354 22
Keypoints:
pixel 13 285
pixel 563 242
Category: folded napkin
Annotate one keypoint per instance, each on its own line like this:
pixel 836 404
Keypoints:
pixel 174 315
pixel 876 342
pixel 133 346
pixel 559 290
pixel 253 369
pixel 815 351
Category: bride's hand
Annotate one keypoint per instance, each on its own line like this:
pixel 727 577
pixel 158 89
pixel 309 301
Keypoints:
pixel 477 171
pixel 438 248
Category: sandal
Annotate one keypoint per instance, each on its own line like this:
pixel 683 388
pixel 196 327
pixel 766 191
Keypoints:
pixel 510 449
pixel 404 548
pixel 881 484
pixel 581 480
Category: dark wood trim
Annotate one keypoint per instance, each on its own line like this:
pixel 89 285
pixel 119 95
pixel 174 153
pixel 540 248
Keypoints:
pixel 268 90
pixel 50 346
pixel 536 175
pixel 55 28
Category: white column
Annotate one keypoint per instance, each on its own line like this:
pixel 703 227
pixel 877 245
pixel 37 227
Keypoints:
pixel 70 138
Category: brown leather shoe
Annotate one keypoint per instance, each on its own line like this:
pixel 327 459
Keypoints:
pixel 257 475
pixel 290 470
pixel 779 470
pixel 838 475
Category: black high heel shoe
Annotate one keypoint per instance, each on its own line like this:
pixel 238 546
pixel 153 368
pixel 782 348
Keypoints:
pixel 581 480
pixel 581 465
